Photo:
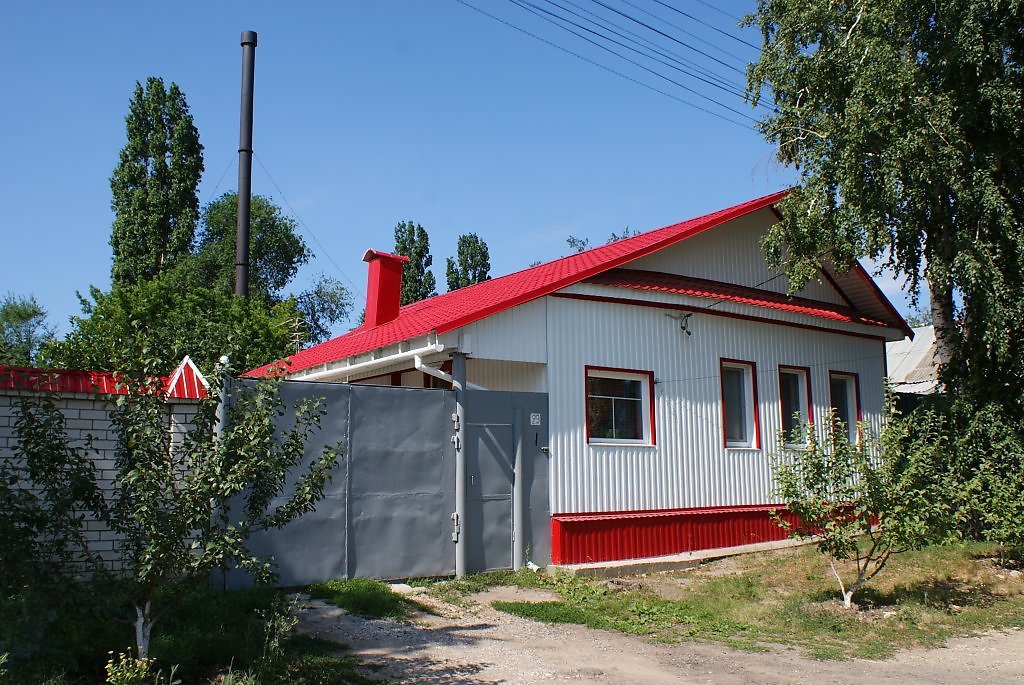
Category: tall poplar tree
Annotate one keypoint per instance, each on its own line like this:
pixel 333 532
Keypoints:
pixel 472 263
pixel 154 185
pixel 418 282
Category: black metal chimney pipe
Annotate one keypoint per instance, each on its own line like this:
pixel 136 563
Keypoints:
pixel 245 165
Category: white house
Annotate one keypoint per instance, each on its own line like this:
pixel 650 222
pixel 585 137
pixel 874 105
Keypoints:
pixel 672 360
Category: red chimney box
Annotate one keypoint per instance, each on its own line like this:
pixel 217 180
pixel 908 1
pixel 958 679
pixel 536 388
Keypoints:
pixel 383 286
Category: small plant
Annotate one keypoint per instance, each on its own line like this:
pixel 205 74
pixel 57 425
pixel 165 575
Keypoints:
pixel 867 500
pixel 124 669
pixel 278 621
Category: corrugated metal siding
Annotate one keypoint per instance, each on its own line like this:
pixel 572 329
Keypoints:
pixel 515 334
pixel 731 253
pixel 510 376
pixel 688 467
pixel 589 538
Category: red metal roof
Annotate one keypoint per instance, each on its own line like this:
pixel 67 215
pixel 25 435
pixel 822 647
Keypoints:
pixel 451 310
pixel 186 384
pixel 717 290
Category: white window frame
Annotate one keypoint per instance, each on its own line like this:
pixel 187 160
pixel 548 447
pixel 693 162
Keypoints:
pixel 803 376
pixel 646 379
pixel 852 389
pixel 753 427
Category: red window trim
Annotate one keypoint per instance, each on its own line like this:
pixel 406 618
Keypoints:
pixel 722 363
pixel 807 379
pixel 650 402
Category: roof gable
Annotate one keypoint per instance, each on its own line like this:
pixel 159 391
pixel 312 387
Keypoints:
pixel 451 310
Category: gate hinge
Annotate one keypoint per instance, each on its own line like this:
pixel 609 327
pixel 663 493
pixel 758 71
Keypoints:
pixel 456 528
pixel 456 442
pixel 455 420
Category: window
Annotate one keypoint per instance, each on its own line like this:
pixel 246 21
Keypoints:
pixel 845 400
pixel 740 421
pixel 619 403
pixel 795 400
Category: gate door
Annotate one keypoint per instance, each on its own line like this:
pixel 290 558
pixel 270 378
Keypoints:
pixel 490 459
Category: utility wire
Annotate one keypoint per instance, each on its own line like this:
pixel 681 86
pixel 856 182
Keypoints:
pixel 704 23
pixel 308 230
pixel 641 40
pixel 533 9
pixel 721 11
pixel 716 82
pixel 602 66
pixel 212 193
pixel 672 38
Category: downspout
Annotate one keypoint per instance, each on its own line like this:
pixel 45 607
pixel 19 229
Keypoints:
pixel 459 383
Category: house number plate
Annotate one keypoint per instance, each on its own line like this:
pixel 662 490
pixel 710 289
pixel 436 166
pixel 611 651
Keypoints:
pixel 535 419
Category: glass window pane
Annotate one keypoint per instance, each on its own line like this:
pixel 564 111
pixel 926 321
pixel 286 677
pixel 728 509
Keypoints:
pixel 789 395
pixel 628 420
pixel 599 417
pixel 844 411
pixel 734 396
pixel 613 387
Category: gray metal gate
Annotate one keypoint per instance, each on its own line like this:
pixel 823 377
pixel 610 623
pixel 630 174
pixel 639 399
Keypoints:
pixel 387 512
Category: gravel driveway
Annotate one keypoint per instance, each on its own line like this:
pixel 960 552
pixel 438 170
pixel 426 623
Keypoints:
pixel 477 644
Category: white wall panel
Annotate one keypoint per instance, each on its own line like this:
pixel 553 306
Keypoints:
pixel 516 334
pixel 731 253
pixel 508 376
pixel 688 467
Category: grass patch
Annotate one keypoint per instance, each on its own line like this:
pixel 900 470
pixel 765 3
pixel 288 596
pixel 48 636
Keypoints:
pixel 456 590
pixel 789 597
pixel 365 597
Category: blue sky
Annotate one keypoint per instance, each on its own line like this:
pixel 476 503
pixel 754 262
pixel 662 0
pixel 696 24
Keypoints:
pixel 366 114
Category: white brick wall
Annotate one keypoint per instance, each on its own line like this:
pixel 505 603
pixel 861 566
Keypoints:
pixel 89 428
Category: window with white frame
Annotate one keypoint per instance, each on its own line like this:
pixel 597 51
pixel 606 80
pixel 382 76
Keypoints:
pixel 795 401
pixel 845 401
pixel 619 406
pixel 739 404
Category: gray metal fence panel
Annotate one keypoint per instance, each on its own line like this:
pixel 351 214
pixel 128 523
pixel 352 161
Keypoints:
pixel 386 513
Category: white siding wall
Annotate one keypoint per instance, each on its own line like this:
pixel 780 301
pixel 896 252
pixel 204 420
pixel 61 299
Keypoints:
pixel 731 253
pixel 516 334
pixel 507 376
pixel 688 467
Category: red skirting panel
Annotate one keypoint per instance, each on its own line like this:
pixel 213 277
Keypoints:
pixel 606 536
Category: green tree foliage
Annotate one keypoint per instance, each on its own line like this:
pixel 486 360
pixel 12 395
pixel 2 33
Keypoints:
pixel 154 184
pixel 472 263
pixel 276 250
pixel 326 302
pixel 578 245
pixel 180 509
pixel 905 122
pixel 418 283
pixel 865 502
pixel 23 330
pixel 119 330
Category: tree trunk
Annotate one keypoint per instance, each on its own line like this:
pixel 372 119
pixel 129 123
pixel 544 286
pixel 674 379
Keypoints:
pixel 943 319
pixel 143 629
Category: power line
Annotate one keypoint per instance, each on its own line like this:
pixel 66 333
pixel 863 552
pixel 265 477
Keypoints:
pixel 602 66
pixel 533 9
pixel 716 80
pixel 640 40
pixel 231 163
pixel 672 38
pixel 721 11
pixel 704 23
pixel 308 230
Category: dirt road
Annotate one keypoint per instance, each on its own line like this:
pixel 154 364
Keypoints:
pixel 480 645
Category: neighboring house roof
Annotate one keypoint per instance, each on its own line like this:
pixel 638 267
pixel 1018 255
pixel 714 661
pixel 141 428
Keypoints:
pixel 911 363
pixel 457 308
pixel 185 383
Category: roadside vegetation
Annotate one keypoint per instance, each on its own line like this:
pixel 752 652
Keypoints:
pixel 787 598
pixel 244 637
